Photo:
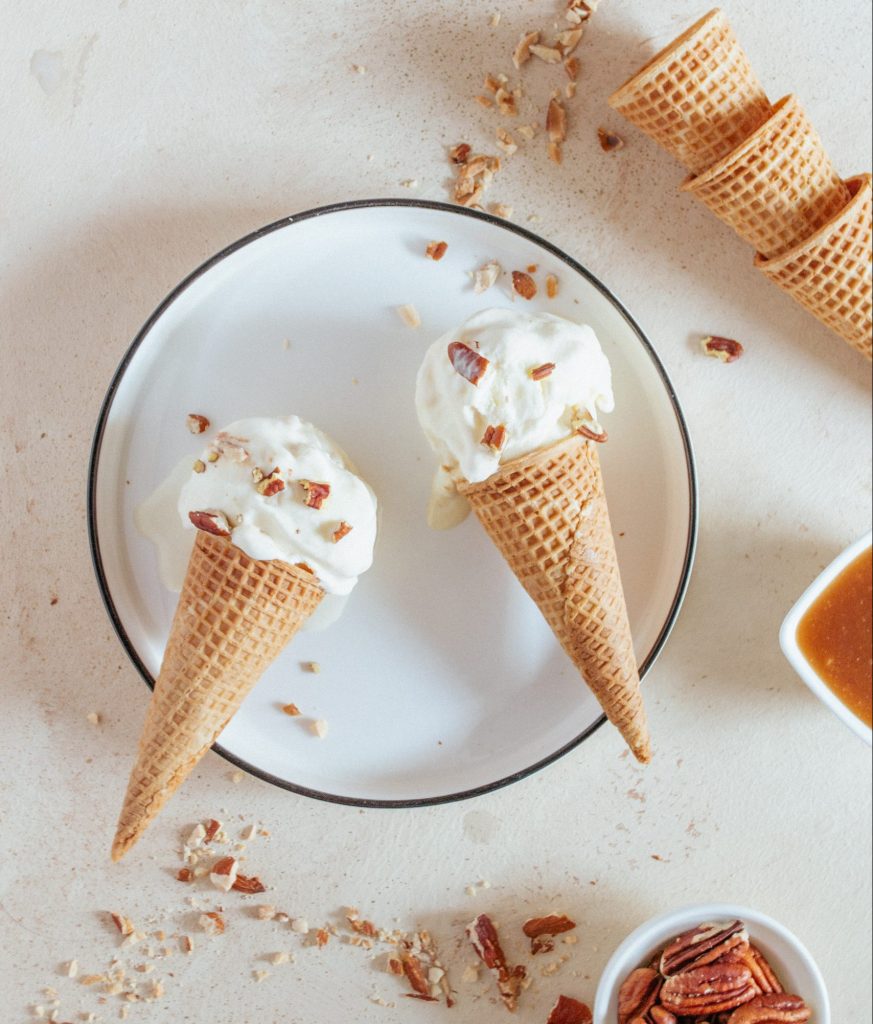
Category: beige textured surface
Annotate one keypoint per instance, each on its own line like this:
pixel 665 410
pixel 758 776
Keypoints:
pixel 139 139
pixel 547 516
pixel 234 617
pixel 778 187
pixel 831 274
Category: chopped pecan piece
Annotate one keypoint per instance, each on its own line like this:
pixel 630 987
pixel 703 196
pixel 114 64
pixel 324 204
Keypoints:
pixel 726 349
pixel 211 522
pixel 469 364
pixel 522 51
pixel 212 922
pixel 271 485
pixel 541 372
pixel 542 929
pixel 552 286
pixel 224 873
pixel 569 40
pixel 486 277
pixel 211 830
pixel 124 924
pixel 708 991
pixel 233 448
pixel 569 1011
pixel 414 971
pixel 507 102
pixel 436 250
pixel 316 493
pixel 495 438
pixel 322 937
pixel 638 995
pixel 587 432
pixel 776 1008
pixel 549 54
pixel 343 530
pixel 292 710
pixel 185 875
pixel 609 141
pixel 249 885
pixel 524 285
pixel 460 154
pixel 491 83
pixel 484 938
pixel 484 101
pixel 197 424
pixel 572 67
pixel 556 121
pixel 556 153
pixel 704 945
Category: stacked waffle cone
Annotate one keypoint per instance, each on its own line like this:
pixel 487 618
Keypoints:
pixel 234 617
pixel 762 170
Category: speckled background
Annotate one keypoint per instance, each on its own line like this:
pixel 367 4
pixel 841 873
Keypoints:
pixel 139 139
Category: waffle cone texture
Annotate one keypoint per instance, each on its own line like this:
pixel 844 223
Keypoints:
pixel 699 98
pixel 831 273
pixel 778 187
pixel 235 615
pixel 547 515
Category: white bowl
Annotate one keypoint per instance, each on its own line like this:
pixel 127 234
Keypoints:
pixel 788 639
pixel 792 962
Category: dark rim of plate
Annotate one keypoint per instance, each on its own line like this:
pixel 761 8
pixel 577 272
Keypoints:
pixel 323 211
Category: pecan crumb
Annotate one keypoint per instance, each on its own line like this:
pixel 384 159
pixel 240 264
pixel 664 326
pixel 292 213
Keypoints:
pixel 268 486
pixel 556 120
pixel 249 885
pixel 540 930
pixel 312 666
pixel 319 728
pixel 486 277
pixel 495 438
pixel 292 710
pixel 484 101
pixel 212 923
pixel 197 424
pixel 549 54
pixel 316 493
pixel 725 349
pixel 522 53
pixel 185 875
pixel 552 286
pixel 436 250
pixel 502 211
pixel 211 522
pixel 199 466
pixel 524 285
pixel 541 372
pixel 469 364
pixel 592 435
pixel 610 142
pixel 409 315
pixel 572 67
pixel 343 530
pixel 460 154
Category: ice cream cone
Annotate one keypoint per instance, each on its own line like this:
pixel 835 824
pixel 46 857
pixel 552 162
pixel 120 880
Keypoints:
pixel 777 187
pixel 699 98
pixel 547 515
pixel 830 272
pixel 235 615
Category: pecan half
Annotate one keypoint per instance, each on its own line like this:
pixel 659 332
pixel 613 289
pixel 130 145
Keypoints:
pixel 436 250
pixel 495 438
pixel 706 991
pixel 211 522
pixel 541 929
pixel 316 494
pixel 638 994
pixel 524 285
pixel 726 349
pixel 703 945
pixel 570 1011
pixel 483 936
pixel 776 1008
pixel 249 885
pixel 469 364
pixel 762 973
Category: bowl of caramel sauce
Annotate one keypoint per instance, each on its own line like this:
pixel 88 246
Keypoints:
pixel 828 637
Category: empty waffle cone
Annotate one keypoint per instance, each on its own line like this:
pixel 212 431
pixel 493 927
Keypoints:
pixel 831 273
pixel 699 98
pixel 547 515
pixel 234 617
pixel 777 187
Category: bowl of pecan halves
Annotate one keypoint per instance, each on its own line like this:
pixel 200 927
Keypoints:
pixel 712 964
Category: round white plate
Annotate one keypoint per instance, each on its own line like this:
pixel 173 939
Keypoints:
pixel 441 680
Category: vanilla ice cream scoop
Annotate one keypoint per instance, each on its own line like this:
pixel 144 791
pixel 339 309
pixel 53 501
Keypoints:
pixel 504 385
pixel 282 490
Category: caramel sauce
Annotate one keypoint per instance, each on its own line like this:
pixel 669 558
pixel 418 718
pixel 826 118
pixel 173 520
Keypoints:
pixel 836 636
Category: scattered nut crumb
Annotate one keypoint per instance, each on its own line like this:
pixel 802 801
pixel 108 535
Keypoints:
pixel 359 69
pixel 726 349
pixel 486 277
pixel 312 666
pixel 552 286
pixel 265 912
pixel 411 183
pixel 292 710
pixel 502 210
pixel 300 926
pixel 610 142
pixel 494 20
pixel 524 285
pixel 93 717
pixel 71 969
pixel 196 423
pixel 409 315
pixel 319 728
pixel 547 53
pixel 436 250
pixel 522 52
pixel 260 976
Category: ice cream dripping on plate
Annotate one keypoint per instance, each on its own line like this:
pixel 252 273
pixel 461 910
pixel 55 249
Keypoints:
pixel 510 404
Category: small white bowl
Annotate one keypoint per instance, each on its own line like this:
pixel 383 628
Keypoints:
pixel 791 648
pixel 790 959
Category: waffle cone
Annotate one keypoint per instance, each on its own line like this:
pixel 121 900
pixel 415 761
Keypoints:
pixel 234 617
pixel 547 515
pixel 830 273
pixel 699 98
pixel 777 187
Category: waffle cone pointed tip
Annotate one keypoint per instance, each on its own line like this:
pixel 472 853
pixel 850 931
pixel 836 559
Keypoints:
pixel 235 615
